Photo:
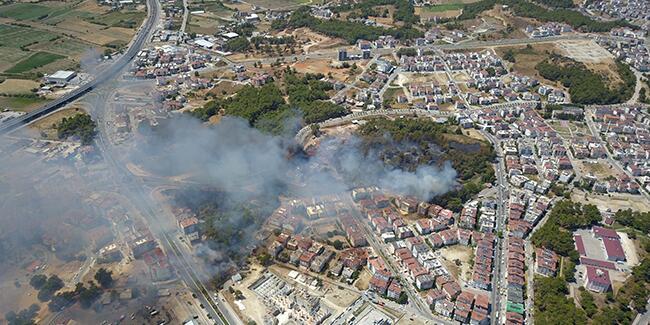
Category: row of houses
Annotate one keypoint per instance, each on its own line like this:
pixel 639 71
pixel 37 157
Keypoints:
pixel 632 51
pixel 548 29
pixel 516 280
pixel 626 130
pixel 468 308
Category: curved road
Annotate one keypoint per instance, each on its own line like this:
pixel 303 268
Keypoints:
pixel 142 35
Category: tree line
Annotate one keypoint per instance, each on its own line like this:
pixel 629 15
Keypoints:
pixel 350 31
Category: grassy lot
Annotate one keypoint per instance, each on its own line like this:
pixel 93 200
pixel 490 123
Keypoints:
pixel 64 46
pixel 36 60
pixel 126 19
pixel 445 7
pixel 18 86
pixel 19 36
pixel 36 12
pixel 21 103
pixel 26 11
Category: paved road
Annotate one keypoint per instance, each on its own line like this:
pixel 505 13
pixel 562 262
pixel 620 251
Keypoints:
pixel 499 274
pixel 332 53
pixel 103 76
pixel 131 187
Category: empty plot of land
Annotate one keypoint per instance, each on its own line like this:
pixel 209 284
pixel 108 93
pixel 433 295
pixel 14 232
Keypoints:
pixel 436 78
pixel 614 201
pixel 629 248
pixel 25 104
pixel 584 51
pixel 324 67
pixel 17 86
pixel 204 23
pixel 48 123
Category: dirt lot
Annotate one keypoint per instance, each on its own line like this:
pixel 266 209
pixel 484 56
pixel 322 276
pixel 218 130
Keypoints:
pixel 47 124
pixel 324 66
pixel 461 253
pixel 251 307
pixel 613 201
pixel 584 51
pixel 225 88
pixel 437 78
pixel 364 280
pixel 17 86
pixel 314 41
pixel 600 168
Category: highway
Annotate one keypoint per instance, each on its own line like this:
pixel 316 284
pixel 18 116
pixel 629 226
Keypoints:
pixel 178 253
pixel 153 15
pixel 176 250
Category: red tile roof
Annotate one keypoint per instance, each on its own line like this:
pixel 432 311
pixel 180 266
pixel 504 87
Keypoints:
pixel 580 246
pixel 613 248
pixel 605 232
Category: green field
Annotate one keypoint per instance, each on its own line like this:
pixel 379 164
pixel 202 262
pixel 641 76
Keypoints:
pixel 30 11
pixel 19 36
pixel 21 103
pixel 63 46
pixel 445 7
pixel 126 19
pixel 36 60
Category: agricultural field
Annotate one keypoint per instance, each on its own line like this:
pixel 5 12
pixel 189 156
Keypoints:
pixel 124 19
pixel 36 60
pixel 38 38
pixel 31 11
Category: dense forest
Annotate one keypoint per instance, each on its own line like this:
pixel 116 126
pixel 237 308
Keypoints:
pixel 552 306
pixel 585 86
pixel 408 143
pixel 350 31
pixel 266 109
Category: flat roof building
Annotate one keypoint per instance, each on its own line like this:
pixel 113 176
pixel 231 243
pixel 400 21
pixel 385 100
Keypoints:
pixel 60 77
